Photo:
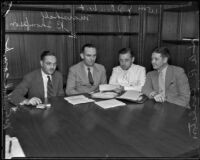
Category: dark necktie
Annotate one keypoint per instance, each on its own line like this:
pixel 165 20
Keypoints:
pixel 49 87
pixel 90 77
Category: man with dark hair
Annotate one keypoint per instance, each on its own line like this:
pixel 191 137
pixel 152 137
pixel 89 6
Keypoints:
pixel 167 82
pixel 128 75
pixel 39 84
pixel 86 76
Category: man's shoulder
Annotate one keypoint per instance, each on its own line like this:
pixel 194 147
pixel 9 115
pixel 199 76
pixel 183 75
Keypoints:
pixel 58 73
pixel 33 73
pixel 152 73
pixel 76 66
pixel 176 69
pixel 99 66
pixel 138 67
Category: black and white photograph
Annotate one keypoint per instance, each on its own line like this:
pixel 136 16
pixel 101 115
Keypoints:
pixel 115 79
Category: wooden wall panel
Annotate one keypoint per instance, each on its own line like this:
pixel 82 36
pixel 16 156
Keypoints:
pixel 25 56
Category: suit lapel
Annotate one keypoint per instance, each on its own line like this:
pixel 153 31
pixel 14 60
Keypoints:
pixel 83 74
pixel 95 74
pixel 40 84
pixel 168 76
pixel 155 81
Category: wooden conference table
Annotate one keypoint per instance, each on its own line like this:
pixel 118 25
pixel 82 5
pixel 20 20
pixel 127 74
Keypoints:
pixel 87 130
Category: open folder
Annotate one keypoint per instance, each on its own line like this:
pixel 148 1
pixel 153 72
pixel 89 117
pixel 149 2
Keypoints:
pixel 134 96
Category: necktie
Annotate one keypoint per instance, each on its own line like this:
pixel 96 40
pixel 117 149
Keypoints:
pixel 90 77
pixel 49 87
pixel 161 82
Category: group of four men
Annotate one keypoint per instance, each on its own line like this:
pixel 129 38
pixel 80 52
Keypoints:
pixel 165 83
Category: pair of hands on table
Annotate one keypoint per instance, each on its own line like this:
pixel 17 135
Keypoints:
pixel 33 101
pixel 158 97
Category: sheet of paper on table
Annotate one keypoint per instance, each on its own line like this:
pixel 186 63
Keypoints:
pixel 108 87
pixel 110 103
pixel 130 95
pixel 13 148
pixel 78 99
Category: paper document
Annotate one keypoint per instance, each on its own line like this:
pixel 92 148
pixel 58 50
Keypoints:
pixel 108 87
pixel 104 95
pixel 131 95
pixel 110 103
pixel 78 99
pixel 13 148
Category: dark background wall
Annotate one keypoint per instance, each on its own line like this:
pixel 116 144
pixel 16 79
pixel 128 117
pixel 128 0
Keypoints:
pixel 30 29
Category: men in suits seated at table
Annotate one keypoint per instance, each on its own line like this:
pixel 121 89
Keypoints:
pixel 128 75
pixel 39 84
pixel 86 76
pixel 167 82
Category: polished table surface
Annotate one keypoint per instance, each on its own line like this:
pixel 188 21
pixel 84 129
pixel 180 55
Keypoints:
pixel 87 130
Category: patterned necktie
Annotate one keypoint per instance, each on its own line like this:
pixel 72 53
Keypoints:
pixel 161 82
pixel 90 77
pixel 49 87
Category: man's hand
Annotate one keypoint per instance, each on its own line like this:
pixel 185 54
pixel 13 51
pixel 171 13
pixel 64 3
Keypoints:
pixel 33 101
pixel 119 90
pixel 159 98
pixel 152 94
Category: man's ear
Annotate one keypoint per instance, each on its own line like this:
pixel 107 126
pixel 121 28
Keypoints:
pixel 165 59
pixel 133 59
pixel 41 63
pixel 81 55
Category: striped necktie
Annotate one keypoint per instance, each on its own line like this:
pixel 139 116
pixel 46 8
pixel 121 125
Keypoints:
pixel 90 77
pixel 49 87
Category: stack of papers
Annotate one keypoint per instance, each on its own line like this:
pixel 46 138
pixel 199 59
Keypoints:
pixel 108 87
pixel 110 103
pixel 131 95
pixel 78 99
pixel 13 148
pixel 104 95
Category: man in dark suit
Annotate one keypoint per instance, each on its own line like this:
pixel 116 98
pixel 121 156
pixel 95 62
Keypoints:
pixel 86 76
pixel 167 82
pixel 39 84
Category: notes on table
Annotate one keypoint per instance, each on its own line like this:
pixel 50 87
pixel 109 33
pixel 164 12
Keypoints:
pixel 78 99
pixel 104 95
pixel 110 103
pixel 13 148
pixel 131 95
pixel 108 87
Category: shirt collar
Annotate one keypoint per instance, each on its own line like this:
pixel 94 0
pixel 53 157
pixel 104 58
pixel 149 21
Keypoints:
pixel 45 75
pixel 163 69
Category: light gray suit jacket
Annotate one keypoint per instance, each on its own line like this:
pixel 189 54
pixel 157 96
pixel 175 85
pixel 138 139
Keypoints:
pixel 77 81
pixel 177 88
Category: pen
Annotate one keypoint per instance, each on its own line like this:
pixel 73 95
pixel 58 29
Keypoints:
pixel 10 146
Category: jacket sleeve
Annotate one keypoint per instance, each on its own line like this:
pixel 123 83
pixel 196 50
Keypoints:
pixel 148 86
pixel 20 91
pixel 183 87
pixel 71 83
pixel 103 77
pixel 60 86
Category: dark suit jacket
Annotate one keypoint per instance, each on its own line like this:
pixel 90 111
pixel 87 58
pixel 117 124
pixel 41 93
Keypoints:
pixel 177 88
pixel 32 84
pixel 78 82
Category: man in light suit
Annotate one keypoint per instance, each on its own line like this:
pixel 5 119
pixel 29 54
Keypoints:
pixel 128 75
pixel 167 82
pixel 86 76
pixel 39 84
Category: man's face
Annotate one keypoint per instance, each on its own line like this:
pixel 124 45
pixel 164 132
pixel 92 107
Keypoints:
pixel 48 64
pixel 125 60
pixel 89 56
pixel 157 60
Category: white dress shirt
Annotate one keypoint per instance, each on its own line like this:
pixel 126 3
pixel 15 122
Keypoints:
pixel 161 77
pixel 45 80
pixel 86 70
pixel 131 79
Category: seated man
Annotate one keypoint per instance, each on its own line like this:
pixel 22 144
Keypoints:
pixel 128 75
pixel 167 82
pixel 39 84
pixel 86 76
